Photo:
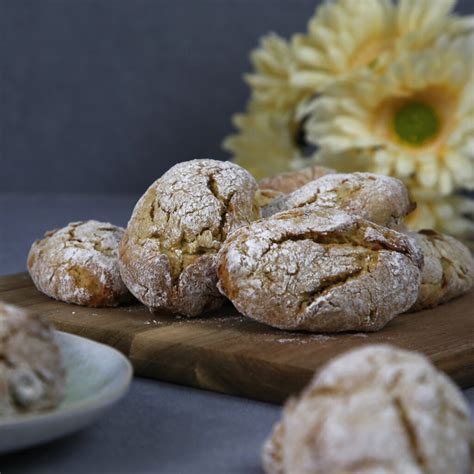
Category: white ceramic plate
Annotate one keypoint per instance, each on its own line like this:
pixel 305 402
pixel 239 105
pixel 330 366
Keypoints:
pixel 97 376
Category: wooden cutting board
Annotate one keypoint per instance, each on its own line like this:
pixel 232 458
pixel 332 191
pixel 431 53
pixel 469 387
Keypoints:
pixel 228 353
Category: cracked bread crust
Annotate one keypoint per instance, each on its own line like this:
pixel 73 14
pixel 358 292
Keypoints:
pixel 168 254
pixel 320 271
pixel 79 264
pixel 378 409
pixel 380 199
pixel 292 180
pixel 448 270
pixel 32 377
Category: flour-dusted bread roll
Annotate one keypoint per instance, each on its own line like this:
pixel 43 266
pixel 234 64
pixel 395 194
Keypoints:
pixel 380 199
pixel 32 377
pixel 292 180
pixel 168 254
pixel 320 270
pixel 79 264
pixel 448 269
pixel 378 409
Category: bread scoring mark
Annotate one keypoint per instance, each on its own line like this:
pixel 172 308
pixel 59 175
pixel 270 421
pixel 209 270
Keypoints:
pixel 410 432
pixel 226 205
pixel 329 283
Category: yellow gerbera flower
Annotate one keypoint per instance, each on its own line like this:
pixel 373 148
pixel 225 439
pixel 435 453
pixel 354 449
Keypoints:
pixel 267 140
pixel 347 35
pixel 266 143
pixel 270 83
pixel 451 215
pixel 416 119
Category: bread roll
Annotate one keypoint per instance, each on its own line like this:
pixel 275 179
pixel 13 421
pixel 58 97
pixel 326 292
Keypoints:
pixel 319 270
pixel 32 377
pixel 79 264
pixel 448 270
pixel 380 199
pixel 292 180
pixel 168 254
pixel 378 409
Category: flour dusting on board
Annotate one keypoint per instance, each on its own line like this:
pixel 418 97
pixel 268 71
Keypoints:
pixel 304 339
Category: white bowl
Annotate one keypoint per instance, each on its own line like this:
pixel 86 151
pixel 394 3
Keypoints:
pixel 97 377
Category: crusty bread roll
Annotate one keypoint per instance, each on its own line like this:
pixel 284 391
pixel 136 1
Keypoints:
pixel 380 199
pixel 319 270
pixel 292 180
pixel 79 264
pixel 32 377
pixel 377 409
pixel 448 269
pixel 168 254
pixel 264 197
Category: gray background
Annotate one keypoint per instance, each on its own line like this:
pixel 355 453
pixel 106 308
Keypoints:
pixel 104 95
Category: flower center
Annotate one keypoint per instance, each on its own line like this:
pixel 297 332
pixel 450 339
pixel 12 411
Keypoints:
pixel 416 123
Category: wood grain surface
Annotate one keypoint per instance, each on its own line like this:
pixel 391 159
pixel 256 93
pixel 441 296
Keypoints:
pixel 228 353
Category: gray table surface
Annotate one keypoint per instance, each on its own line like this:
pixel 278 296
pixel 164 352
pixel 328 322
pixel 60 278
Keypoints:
pixel 157 427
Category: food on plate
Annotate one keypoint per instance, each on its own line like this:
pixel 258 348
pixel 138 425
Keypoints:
pixel 32 376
